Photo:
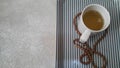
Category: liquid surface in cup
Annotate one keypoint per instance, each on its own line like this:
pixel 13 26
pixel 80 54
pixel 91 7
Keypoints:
pixel 93 20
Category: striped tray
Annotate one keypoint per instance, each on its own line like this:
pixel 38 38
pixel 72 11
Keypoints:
pixel 67 56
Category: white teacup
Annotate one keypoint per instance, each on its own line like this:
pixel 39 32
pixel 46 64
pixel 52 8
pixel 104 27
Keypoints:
pixel 86 32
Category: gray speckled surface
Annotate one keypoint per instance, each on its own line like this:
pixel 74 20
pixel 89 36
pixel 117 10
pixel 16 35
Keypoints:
pixel 27 33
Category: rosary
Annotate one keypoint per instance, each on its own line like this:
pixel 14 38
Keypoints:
pixel 88 51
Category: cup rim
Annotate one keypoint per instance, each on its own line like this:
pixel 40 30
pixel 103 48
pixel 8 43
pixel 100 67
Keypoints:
pixel 89 28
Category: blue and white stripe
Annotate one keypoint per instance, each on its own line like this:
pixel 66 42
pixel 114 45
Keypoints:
pixel 67 56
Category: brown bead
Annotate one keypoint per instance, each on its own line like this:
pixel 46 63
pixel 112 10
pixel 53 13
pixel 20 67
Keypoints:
pixel 89 52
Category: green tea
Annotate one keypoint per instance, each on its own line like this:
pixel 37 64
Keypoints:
pixel 93 20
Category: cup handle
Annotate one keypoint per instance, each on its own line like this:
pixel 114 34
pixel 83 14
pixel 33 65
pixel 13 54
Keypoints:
pixel 84 37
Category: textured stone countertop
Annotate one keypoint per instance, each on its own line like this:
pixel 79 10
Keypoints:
pixel 27 33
